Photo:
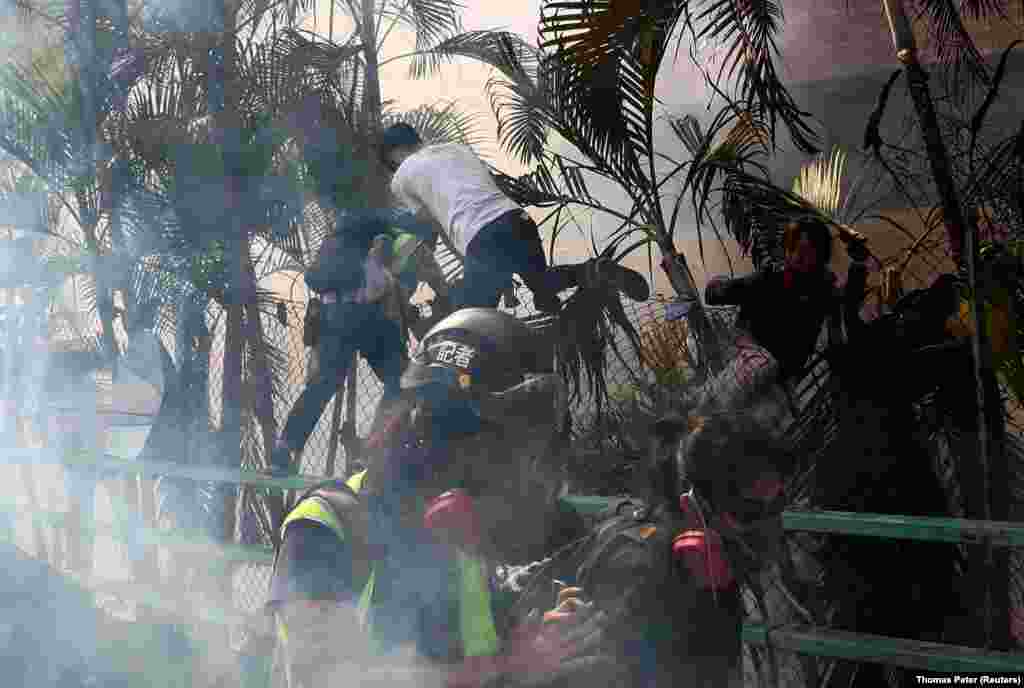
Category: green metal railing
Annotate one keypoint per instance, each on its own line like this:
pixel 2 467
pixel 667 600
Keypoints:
pixel 802 639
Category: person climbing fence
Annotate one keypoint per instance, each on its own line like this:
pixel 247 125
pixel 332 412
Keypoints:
pixel 781 315
pixel 354 284
pixel 450 185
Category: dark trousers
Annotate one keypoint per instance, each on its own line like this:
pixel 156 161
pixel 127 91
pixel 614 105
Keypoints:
pixel 509 245
pixel 345 329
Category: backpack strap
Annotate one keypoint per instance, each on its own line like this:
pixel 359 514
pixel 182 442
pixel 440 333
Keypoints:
pixel 607 536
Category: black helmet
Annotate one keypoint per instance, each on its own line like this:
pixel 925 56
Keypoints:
pixel 478 348
pixel 492 358
pixel 400 134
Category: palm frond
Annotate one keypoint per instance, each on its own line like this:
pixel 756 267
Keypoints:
pixel 587 328
pixel 441 122
pixel 604 107
pixel 432 20
pixel 688 130
pixel 729 163
pixel 736 143
pixel 622 44
pixel 293 66
pixel 538 189
pixel 952 42
pixel 998 183
pixel 514 92
pixel 820 182
pixel 502 50
pixel 287 13
pixel 748 31
pixel 274 260
pixel 519 105
pixel 165 113
pixel 979 117
pixel 36 124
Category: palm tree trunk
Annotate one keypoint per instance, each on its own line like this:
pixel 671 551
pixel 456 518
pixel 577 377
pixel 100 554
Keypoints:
pixel 227 124
pixel 960 230
pixel 330 24
pixel 372 94
pixel 375 192
pixel 917 82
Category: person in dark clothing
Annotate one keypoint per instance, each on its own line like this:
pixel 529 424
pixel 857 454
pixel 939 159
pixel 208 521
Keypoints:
pixel 389 574
pixel 668 563
pixel 354 287
pixel 782 313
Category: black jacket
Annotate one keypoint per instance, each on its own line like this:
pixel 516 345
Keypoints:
pixel 787 320
pixel 338 265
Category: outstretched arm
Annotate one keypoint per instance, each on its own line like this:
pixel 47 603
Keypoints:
pixel 401 218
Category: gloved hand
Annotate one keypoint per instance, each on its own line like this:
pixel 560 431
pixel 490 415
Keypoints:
pixel 566 642
pixel 569 608
pixel 537 653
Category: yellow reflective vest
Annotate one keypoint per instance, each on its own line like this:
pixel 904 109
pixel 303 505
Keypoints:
pixel 477 630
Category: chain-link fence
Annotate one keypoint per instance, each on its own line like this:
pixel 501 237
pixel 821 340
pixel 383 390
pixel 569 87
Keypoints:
pixel 325 446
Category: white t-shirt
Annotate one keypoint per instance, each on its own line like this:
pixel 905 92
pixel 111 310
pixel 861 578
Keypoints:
pixel 453 185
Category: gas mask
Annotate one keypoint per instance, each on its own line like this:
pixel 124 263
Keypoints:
pixel 735 521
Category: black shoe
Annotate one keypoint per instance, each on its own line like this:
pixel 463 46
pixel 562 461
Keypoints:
pixel 547 303
pixel 629 282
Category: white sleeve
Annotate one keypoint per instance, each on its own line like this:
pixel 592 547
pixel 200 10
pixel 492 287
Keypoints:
pixel 402 190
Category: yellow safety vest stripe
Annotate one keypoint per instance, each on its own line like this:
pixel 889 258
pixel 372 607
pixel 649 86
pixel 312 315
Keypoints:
pixel 476 621
pixel 477 629
pixel 314 509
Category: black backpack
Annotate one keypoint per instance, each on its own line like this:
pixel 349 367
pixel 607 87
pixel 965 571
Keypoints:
pixel 339 264
pixel 352 513
pixel 661 625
